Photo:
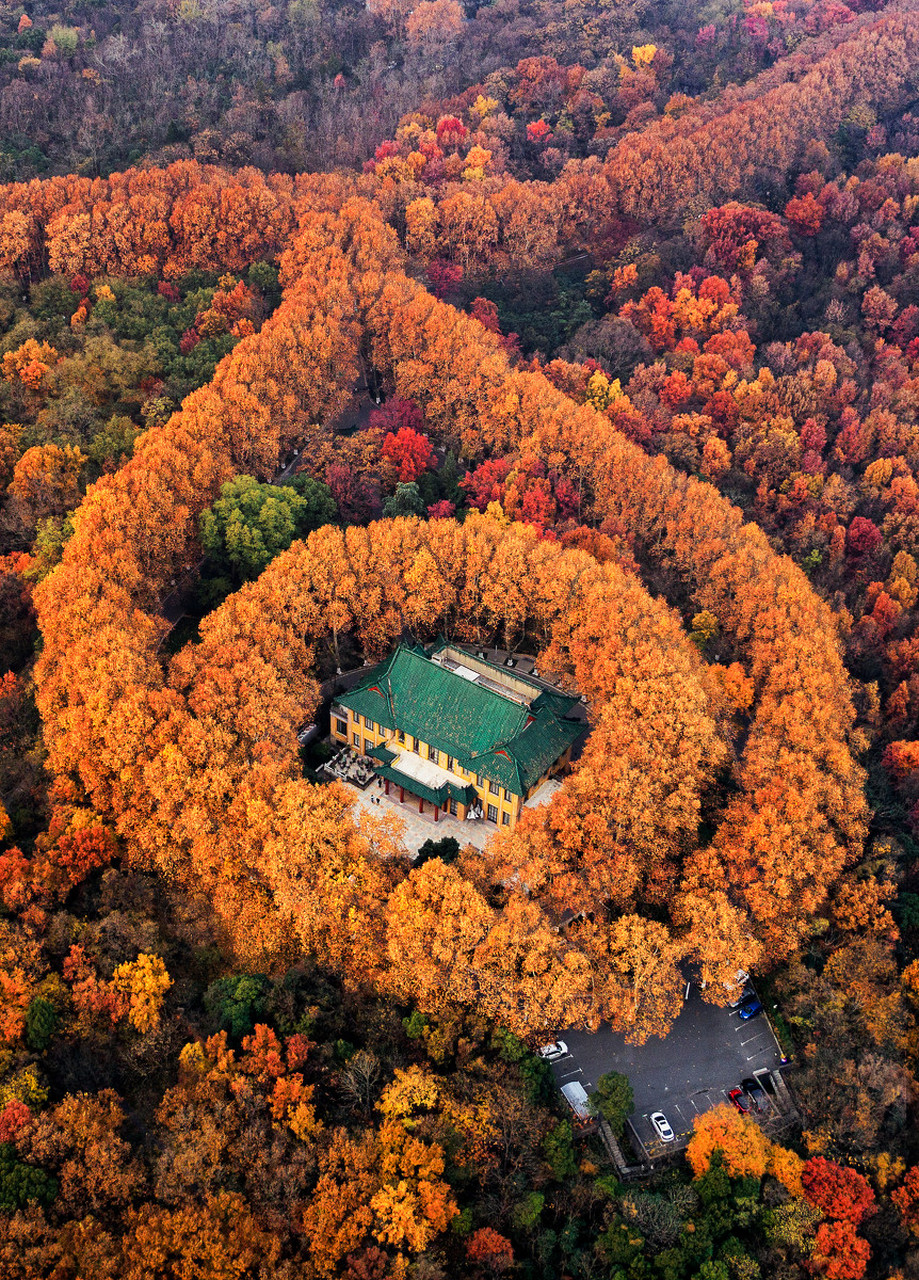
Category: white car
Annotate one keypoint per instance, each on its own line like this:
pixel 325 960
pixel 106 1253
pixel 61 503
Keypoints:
pixel 662 1126
pixel 552 1052
pixel 578 1100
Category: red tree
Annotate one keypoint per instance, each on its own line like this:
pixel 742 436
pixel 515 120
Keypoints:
pixel 804 214
pixel 442 510
pixel 488 1247
pixel 81 852
pixel 863 537
pixel 839 1254
pixel 395 414
pixel 840 1193
pixel 410 452
pixel 443 277
pixel 487 483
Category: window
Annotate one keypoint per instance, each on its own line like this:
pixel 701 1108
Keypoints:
pixel 453 807
pixel 356 739
pixel 432 754
pixel 451 764
pixel 367 746
pixel 341 726
pixel 369 723
pixel 504 794
pixel 401 736
pixel 492 813
pixel 415 744
pixel 506 819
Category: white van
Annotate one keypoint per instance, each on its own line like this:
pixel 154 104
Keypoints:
pixel 576 1096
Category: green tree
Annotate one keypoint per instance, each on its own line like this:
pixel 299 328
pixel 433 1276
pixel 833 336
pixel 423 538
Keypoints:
pixel 251 523
pixel 447 849
pixel 41 1023
pixel 264 276
pixel 614 1100
pixel 527 1212
pixel 406 501
pixel 22 1184
pixel 558 1148
pixel 235 1002
pixel 443 483
pixel 51 536
pixel 713 1270
pixel 113 444
pixel 320 506
pixel 415 1024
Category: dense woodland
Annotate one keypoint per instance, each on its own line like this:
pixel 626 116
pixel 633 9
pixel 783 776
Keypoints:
pixel 595 329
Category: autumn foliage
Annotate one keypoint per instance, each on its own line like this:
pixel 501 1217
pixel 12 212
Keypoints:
pixel 145 222
pixel 188 787
pixel 689 488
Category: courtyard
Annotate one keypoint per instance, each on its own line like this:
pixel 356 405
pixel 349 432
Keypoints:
pixel 420 827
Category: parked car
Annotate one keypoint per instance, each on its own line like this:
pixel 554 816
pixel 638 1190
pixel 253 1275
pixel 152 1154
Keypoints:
pixel 750 1008
pixel 552 1052
pixel 740 979
pixel 746 994
pixel 754 1092
pixel 739 1099
pixel 662 1126
pixel 576 1096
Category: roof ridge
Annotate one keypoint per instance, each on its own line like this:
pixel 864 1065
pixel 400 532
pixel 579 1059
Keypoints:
pixel 525 677
pixel 474 684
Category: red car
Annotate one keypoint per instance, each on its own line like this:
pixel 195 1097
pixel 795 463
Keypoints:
pixel 739 1099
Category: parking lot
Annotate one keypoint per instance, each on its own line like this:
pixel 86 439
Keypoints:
pixel 709 1050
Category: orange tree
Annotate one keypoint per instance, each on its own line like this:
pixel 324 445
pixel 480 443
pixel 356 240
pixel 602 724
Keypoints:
pixel 194 760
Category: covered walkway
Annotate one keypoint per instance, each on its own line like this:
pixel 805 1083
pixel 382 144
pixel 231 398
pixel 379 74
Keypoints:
pixel 410 777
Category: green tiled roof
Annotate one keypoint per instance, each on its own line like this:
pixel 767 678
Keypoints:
pixel 462 795
pixel 435 796
pixel 504 740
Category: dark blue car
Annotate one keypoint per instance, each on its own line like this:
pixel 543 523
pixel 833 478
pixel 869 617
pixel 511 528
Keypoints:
pixel 750 1008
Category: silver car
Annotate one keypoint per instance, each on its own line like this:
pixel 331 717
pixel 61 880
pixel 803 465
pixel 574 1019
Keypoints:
pixel 552 1052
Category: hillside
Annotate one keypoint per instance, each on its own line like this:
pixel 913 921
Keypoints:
pixel 584 338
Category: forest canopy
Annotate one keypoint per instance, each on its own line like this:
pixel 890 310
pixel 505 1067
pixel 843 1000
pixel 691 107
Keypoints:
pixel 587 334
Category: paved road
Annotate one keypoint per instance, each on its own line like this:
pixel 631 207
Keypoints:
pixel 708 1051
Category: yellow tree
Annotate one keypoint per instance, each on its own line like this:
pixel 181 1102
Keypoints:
pixel 434 922
pixel 530 978
pixel 638 985
pixel 744 1147
pixel 145 982
pixel 219 1240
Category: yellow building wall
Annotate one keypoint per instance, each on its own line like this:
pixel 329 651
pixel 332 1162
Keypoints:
pixel 488 792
